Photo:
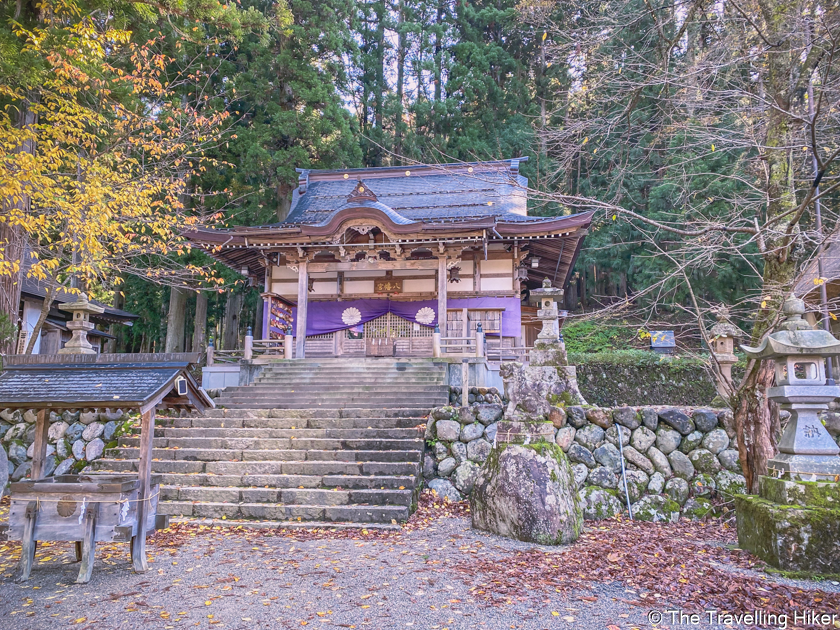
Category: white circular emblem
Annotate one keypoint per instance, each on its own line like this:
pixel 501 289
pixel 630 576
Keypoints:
pixel 351 316
pixel 425 315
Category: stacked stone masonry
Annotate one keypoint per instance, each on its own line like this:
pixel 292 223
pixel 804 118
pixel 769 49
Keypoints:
pixel 75 438
pixel 678 461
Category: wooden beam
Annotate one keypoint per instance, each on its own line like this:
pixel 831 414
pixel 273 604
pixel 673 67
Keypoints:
pixel 39 453
pixel 442 282
pixel 380 265
pixel 144 469
pixel 303 298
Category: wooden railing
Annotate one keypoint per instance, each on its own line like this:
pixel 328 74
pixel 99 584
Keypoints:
pixel 509 353
pixel 452 347
pixel 280 348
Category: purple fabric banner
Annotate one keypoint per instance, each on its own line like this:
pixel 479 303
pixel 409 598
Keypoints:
pixel 327 317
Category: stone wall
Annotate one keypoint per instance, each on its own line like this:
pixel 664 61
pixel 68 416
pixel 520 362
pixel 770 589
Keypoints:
pixel 75 439
pixel 677 460
pixel 609 382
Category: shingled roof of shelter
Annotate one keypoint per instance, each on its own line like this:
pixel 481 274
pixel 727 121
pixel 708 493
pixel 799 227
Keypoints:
pixel 433 193
pixel 80 381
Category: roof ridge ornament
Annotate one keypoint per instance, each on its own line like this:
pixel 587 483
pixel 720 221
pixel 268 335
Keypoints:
pixel 361 193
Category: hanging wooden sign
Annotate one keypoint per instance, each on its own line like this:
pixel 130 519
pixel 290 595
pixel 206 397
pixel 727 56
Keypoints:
pixel 388 285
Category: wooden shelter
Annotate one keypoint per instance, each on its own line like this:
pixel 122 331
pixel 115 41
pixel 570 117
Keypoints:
pixel 92 507
pixel 374 259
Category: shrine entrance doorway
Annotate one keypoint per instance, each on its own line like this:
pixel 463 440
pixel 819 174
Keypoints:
pixel 393 336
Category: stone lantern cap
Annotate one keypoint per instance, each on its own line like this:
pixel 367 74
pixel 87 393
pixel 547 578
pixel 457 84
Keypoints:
pixel 796 336
pixel 81 305
pixel 547 290
pixel 724 327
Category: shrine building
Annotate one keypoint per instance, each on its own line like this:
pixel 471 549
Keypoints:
pixel 370 261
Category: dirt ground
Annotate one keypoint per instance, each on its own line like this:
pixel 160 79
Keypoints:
pixel 434 573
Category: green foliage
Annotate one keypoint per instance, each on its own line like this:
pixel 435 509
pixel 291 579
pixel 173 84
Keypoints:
pixel 8 331
pixel 595 337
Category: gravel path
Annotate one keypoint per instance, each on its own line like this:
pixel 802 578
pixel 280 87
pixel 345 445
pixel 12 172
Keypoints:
pixel 240 579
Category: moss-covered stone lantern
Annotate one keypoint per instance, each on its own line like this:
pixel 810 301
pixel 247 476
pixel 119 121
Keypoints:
pixel 80 325
pixel 806 450
pixel 794 522
pixel 724 334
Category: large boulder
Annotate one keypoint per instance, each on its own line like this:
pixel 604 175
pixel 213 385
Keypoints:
pixel 581 455
pixel 638 460
pixel 643 438
pixel 704 419
pixel 677 489
pixel 57 431
pixel 445 490
pixel 613 433
pixel 590 436
pixel 656 508
pixel 464 477
pixel 565 437
pixel 730 460
pixel 650 418
pixel 74 432
pixel 532 389
pixel 17 453
pixel 691 442
pixel 599 417
pixel 470 432
pixel 447 430
pixel 681 465
pixel 478 450
pixel 667 440
pixel 660 462
pixel 445 467
pixel 637 483
pixel 704 461
pixel 678 420
pixel 627 417
pixel 729 484
pixel 581 472
pixel 465 415
pixel 608 455
pixel 603 477
pixel 656 484
pixel 488 414
pixel 576 416
pixel 528 493
pixel 557 417
pixel 459 451
pixel 716 441
pixel 599 503
pixel 64 467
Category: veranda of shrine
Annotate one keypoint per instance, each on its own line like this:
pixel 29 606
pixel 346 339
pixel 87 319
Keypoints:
pixel 368 259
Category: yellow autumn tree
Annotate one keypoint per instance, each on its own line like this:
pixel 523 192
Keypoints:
pixel 97 152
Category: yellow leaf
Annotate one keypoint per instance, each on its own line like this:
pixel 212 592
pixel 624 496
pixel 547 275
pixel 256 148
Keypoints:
pixel 833 316
pixel 713 148
pixel 555 613
pixel 764 304
pixel 545 35
pixel 613 217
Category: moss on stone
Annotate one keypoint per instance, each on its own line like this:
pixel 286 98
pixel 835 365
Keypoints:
pixel 789 537
pixel 819 494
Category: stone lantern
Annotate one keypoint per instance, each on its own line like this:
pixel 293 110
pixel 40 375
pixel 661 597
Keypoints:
pixel 806 450
pixel 724 334
pixel 80 325
pixel 547 311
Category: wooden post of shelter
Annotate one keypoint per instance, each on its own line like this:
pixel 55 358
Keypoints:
pixel 39 450
pixel 303 299
pixel 144 469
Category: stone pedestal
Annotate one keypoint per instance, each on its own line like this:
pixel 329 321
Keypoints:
pixel 792 525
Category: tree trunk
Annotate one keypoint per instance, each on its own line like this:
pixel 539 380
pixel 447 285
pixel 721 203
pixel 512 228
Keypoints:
pixel 398 123
pixel 176 320
pixel 756 438
pixel 258 324
pixel 754 423
pixel 200 330
pixel 233 312
pixel 113 329
pixel 12 239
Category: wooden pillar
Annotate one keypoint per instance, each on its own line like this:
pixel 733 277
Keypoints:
pixel 442 280
pixel 303 299
pixel 138 543
pixel 40 449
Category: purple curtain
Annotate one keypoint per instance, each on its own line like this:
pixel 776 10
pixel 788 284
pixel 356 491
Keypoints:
pixel 328 317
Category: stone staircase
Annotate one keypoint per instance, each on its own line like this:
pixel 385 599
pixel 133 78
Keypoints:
pixel 329 456
pixel 339 383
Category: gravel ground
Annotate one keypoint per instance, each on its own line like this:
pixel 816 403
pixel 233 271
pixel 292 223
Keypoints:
pixel 240 579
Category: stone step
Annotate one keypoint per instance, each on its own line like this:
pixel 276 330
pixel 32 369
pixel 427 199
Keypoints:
pixel 328 513
pixel 242 403
pixel 345 482
pixel 291 455
pixel 264 467
pixel 286 496
pixel 170 436
pixel 310 413
pixel 279 453
pixel 372 386
pixel 185 427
